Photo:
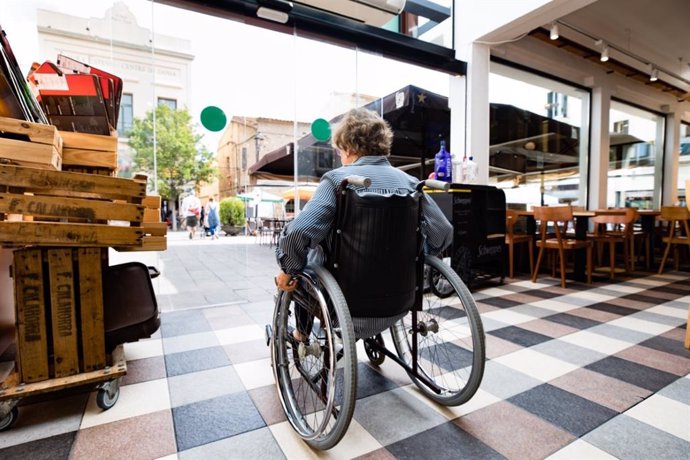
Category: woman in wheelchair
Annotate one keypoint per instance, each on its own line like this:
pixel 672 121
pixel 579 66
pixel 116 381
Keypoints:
pixel 360 259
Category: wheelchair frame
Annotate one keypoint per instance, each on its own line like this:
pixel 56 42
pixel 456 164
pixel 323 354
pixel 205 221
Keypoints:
pixel 322 418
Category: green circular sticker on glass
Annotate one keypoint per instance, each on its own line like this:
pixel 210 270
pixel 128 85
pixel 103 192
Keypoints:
pixel 321 129
pixel 213 118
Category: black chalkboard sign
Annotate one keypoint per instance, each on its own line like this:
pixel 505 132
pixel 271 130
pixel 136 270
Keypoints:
pixel 477 213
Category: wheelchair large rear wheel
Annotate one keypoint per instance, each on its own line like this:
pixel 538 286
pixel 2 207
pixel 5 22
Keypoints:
pixel 450 338
pixel 316 379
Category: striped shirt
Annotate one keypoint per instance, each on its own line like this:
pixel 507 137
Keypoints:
pixel 314 223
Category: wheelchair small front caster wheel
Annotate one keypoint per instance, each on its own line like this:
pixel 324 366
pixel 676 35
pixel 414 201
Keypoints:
pixel 375 356
pixel 9 420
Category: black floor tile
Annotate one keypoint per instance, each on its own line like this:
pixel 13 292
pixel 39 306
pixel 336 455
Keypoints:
pixel 564 409
pixel 371 382
pixel 520 336
pixel 213 419
pixel 668 345
pixel 500 302
pixel 446 355
pixel 633 373
pixel 615 309
pixel 541 293
pixel 573 321
pixel 641 298
pixel 195 360
pixel 445 441
pixel 53 448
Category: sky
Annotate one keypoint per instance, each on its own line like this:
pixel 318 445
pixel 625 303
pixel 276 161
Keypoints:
pixel 244 70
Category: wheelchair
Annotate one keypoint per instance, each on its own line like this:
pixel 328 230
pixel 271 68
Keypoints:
pixel 369 285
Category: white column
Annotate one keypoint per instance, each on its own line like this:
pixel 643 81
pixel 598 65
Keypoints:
pixel 669 189
pixel 456 104
pixel 599 158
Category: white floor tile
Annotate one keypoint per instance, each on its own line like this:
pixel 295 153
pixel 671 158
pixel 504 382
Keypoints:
pixel 357 441
pixel 596 342
pixel 480 400
pixel 507 316
pixel 640 325
pixel 137 399
pixel 665 414
pixel 669 311
pixel 255 374
pixel 535 364
pixel 147 348
pixel 240 334
pixel 555 305
pixel 579 450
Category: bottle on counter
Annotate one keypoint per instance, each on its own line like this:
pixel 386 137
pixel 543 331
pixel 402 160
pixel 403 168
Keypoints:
pixel 463 170
pixel 443 164
pixel 472 171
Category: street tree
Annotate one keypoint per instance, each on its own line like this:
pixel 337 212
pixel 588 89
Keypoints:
pixel 181 159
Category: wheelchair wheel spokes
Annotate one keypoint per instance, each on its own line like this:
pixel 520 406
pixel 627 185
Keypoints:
pixel 315 378
pixel 450 339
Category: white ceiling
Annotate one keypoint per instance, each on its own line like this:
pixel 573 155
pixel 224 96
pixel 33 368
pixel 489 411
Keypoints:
pixel 656 30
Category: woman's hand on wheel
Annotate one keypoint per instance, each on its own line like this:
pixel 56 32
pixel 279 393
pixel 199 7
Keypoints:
pixel 285 282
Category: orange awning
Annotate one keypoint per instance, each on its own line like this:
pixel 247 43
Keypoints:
pixel 304 192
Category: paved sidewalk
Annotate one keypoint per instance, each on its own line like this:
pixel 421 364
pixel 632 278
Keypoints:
pixel 231 270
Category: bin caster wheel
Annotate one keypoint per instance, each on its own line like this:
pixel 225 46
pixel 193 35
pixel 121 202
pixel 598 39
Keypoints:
pixel 7 422
pixel 108 393
pixel 375 356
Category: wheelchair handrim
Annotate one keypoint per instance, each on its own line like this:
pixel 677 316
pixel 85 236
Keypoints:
pixel 290 405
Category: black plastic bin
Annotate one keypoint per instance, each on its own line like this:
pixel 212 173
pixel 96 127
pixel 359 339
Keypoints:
pixel 130 308
pixel 478 215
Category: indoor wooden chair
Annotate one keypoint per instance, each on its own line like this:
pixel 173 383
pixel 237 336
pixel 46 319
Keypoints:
pixel 612 229
pixel 513 238
pixel 560 218
pixel 677 232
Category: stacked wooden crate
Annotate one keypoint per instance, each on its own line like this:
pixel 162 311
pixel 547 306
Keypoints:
pixel 89 153
pixel 30 144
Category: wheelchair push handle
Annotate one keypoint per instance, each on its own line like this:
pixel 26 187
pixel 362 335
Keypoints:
pixel 434 184
pixel 359 181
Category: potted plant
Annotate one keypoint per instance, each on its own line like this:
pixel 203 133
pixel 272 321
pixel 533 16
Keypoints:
pixel 232 215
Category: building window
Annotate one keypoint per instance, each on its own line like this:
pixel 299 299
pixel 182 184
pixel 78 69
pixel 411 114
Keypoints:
pixel 538 138
pixel 172 103
pixel 635 152
pixel 126 116
pixel 244 158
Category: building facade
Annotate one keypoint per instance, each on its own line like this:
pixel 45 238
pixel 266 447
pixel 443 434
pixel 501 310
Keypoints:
pixel 155 69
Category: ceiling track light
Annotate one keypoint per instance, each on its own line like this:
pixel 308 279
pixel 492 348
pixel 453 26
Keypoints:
pixel 604 53
pixel 654 75
pixel 274 10
pixel 554 31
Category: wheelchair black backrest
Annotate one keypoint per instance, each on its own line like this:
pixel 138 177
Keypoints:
pixel 376 252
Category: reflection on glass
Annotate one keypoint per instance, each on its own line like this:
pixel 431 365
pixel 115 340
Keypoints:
pixel 636 140
pixel 538 142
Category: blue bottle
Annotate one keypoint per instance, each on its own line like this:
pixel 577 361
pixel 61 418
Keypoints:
pixel 443 166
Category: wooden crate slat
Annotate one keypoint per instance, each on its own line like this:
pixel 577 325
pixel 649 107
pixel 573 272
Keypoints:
pixel 152 215
pixel 85 141
pixel 155 228
pixel 32 333
pixel 92 334
pixel 151 202
pixel 88 210
pixel 89 158
pixel 63 183
pixel 63 312
pixel 40 155
pixel 67 234
pixel 148 243
pixel 36 132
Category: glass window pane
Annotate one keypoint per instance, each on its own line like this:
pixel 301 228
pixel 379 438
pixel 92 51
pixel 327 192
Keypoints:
pixel 538 138
pixel 636 147
pixel 684 162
